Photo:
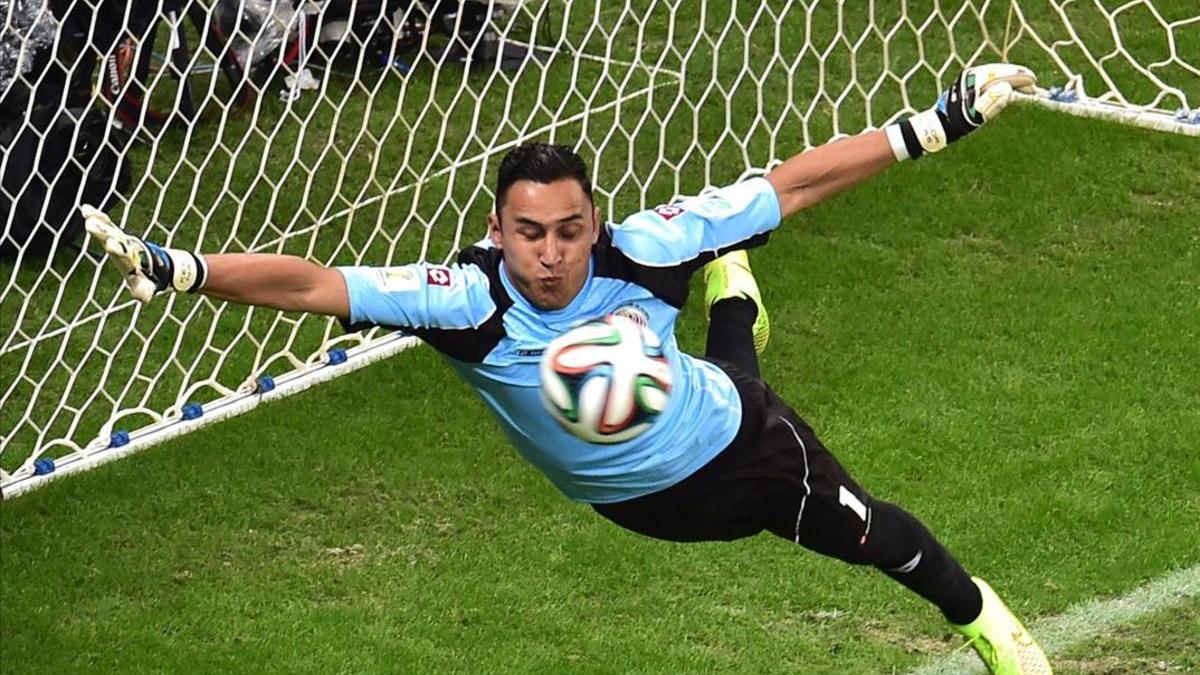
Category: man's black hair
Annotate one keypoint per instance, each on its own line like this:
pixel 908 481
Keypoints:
pixel 540 163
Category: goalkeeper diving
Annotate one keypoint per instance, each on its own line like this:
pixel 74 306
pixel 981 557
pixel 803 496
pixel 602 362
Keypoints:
pixel 728 458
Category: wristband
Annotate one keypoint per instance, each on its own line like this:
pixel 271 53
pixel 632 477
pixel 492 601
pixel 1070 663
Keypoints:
pixel 190 270
pixel 896 139
pixel 914 136
pixel 174 268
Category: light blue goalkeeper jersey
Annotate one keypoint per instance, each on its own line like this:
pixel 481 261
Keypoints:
pixel 473 314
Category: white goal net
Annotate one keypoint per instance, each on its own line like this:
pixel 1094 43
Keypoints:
pixel 367 132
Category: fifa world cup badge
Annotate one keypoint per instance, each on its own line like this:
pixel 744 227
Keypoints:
pixel 399 279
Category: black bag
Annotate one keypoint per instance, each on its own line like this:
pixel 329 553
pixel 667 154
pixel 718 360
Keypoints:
pixel 42 187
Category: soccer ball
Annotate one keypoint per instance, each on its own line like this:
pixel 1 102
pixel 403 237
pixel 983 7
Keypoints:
pixel 606 380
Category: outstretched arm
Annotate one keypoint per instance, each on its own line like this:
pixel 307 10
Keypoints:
pixel 284 282
pixel 810 177
pixel 280 282
pixel 977 95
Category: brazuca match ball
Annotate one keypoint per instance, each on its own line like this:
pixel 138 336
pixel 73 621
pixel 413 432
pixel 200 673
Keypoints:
pixel 606 380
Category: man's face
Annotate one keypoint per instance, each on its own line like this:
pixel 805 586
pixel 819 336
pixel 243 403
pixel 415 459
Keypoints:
pixel 546 232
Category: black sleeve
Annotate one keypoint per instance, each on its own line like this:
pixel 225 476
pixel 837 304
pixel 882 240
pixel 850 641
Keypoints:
pixel 669 283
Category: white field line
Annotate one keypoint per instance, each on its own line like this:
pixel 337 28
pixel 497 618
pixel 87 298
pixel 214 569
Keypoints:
pixel 1059 633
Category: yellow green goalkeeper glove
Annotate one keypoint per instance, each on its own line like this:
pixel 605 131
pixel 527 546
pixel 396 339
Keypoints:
pixel 148 268
pixel 977 95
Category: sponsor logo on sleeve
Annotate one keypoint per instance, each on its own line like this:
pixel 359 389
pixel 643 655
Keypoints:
pixel 668 211
pixel 438 276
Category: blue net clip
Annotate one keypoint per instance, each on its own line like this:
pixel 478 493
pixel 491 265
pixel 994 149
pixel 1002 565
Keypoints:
pixel 264 384
pixel 1063 95
pixel 1188 116
pixel 118 439
pixel 192 411
pixel 43 466
pixel 336 356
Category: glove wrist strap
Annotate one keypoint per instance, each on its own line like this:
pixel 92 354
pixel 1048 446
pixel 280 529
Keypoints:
pixel 917 135
pixel 190 270
pixel 896 139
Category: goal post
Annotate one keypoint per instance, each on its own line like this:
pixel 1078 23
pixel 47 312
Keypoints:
pixel 367 132
pixel 1133 62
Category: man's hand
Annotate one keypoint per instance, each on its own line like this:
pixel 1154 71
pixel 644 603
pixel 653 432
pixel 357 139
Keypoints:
pixel 148 268
pixel 977 95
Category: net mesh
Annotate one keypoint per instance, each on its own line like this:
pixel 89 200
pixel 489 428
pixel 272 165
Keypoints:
pixel 365 133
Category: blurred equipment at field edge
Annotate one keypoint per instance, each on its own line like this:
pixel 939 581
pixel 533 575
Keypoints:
pixel 168 62
pixel 247 44
pixel 58 149
pixel 471 28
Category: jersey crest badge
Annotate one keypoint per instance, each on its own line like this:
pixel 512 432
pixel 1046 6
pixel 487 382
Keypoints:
pixel 634 313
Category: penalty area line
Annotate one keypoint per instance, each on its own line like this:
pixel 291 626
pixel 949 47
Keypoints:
pixel 1086 620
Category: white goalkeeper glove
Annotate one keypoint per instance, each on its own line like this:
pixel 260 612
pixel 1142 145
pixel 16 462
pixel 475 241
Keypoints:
pixel 148 268
pixel 977 95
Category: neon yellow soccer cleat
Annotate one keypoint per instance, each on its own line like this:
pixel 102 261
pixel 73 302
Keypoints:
pixel 1000 639
pixel 730 277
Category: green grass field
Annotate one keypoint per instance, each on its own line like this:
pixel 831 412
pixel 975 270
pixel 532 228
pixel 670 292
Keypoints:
pixel 1005 339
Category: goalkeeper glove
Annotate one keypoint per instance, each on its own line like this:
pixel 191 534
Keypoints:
pixel 148 268
pixel 977 95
